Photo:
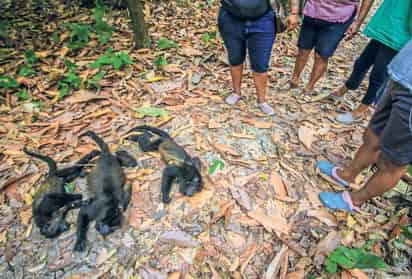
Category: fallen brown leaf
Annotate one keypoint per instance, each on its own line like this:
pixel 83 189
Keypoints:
pixel 274 222
pixel 324 216
pixel 278 185
pixel 274 266
pixel 306 136
pixel 299 274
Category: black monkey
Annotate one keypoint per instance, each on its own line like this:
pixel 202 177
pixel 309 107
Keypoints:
pixel 108 197
pixel 50 202
pixel 180 165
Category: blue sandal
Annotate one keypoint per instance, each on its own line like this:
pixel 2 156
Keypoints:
pixel 337 201
pixel 329 169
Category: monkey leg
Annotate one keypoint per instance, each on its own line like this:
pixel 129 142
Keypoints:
pixel 125 159
pixel 169 174
pixel 197 163
pixel 86 215
pixel 127 194
pixel 54 201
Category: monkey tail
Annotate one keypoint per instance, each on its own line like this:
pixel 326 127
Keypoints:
pixel 50 162
pixel 152 129
pixel 103 146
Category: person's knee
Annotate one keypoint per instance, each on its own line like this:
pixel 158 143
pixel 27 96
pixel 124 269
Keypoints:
pixel 371 139
pixel 320 57
pixel 304 52
pixel 387 165
pixel 259 68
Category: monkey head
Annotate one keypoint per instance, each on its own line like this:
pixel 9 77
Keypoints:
pixel 193 185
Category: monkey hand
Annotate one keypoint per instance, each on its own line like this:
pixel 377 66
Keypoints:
pixel 166 199
pixel 80 245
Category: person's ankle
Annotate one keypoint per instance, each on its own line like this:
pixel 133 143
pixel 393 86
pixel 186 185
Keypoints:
pixel 359 111
pixel 355 201
pixel 341 91
pixel 342 174
pixel 294 81
pixel 309 89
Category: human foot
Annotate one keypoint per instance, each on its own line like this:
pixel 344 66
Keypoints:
pixel 266 108
pixel 340 92
pixel 232 99
pixel 348 118
pixel 331 170
pixel 293 84
pixel 338 201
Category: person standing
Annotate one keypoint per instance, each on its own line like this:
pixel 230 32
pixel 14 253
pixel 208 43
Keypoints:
pixel 249 25
pixel 325 24
pixel 387 142
pixel 389 30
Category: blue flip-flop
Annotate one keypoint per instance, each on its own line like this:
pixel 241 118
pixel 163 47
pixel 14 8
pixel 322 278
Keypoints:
pixel 329 169
pixel 337 201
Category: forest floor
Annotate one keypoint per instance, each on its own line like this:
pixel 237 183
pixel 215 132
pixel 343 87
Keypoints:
pixel 259 216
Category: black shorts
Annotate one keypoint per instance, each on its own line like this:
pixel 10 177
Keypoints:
pixel 392 122
pixel 322 35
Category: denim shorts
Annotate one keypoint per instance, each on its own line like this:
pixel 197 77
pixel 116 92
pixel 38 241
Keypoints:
pixel 392 122
pixel 322 35
pixel 255 36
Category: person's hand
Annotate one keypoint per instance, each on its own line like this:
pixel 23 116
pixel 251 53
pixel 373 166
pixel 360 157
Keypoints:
pixel 352 30
pixel 293 22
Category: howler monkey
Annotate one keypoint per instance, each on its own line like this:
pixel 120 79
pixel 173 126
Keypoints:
pixel 108 199
pixel 180 165
pixel 50 202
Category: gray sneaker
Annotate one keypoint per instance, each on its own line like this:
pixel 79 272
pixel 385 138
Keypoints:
pixel 232 99
pixel 266 108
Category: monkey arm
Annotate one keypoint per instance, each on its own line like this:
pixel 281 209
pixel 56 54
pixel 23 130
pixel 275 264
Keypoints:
pixel 125 159
pixel 71 173
pixel 169 174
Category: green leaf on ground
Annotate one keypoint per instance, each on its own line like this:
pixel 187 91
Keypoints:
pixel 79 35
pixel 30 57
pixel 117 60
pixel 215 165
pixel 152 111
pixel 8 82
pixel 27 71
pixel 23 95
pixel 350 258
pixel 69 187
pixel 165 43
pixel 94 82
pixel 160 62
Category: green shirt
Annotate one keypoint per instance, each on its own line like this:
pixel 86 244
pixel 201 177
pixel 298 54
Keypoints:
pixel 392 24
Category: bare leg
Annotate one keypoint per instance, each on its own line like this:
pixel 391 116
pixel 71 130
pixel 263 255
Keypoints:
pixel 237 74
pixel 300 64
pixel 319 68
pixel 260 83
pixel 366 155
pixel 359 111
pixel 382 181
pixel 341 91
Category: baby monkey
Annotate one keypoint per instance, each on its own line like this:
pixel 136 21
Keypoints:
pixel 51 202
pixel 180 166
pixel 108 196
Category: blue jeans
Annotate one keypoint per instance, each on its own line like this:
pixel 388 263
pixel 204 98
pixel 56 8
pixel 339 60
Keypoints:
pixel 322 35
pixel 375 55
pixel 255 36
